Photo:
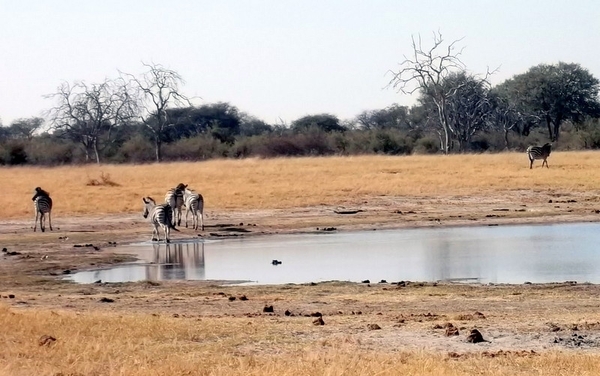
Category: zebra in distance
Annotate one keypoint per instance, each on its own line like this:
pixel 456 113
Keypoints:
pixel 194 202
pixel 160 216
pixel 42 204
pixel 539 152
pixel 174 198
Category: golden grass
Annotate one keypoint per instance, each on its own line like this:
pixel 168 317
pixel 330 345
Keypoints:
pixel 142 344
pixel 293 182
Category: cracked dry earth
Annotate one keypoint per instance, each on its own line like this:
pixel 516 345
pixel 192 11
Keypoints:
pixel 517 319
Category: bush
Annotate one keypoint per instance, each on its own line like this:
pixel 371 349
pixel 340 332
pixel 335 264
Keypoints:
pixel 135 150
pixel 50 151
pixel 195 148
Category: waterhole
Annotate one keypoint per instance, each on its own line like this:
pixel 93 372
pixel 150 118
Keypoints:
pixel 502 254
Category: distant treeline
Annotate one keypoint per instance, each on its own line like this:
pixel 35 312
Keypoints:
pixel 118 122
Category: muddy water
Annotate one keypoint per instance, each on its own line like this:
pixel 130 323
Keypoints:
pixel 503 254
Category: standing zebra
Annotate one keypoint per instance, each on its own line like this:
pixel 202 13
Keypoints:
pixel 194 202
pixel 42 204
pixel 539 152
pixel 159 215
pixel 174 197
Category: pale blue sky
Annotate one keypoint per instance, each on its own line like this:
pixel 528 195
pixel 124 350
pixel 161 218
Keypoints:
pixel 277 59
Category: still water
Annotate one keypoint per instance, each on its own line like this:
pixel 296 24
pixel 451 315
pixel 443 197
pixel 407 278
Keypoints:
pixel 503 254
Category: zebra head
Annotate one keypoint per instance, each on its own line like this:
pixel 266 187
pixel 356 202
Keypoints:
pixel 149 203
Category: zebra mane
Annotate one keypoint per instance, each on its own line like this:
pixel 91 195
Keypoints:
pixel 40 192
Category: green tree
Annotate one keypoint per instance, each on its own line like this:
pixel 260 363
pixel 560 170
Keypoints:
pixel 324 122
pixel 392 117
pixel 553 94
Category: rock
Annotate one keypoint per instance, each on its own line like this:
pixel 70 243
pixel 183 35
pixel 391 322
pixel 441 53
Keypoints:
pixel 366 281
pixel 479 315
pixel 373 327
pixel 268 309
pixel 475 336
pixel 316 314
pixel 106 300
pixel 275 262
pixel 318 321
pixel 451 330
pixel 242 297
pixel 232 298
pixel 287 313
pixel 11 296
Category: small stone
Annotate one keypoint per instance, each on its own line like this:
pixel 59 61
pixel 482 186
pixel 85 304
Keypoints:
pixel 318 321
pixel 106 300
pixel 232 298
pixel 268 309
pixel 373 327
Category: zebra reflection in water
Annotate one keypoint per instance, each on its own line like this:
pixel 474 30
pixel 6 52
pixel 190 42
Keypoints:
pixel 179 261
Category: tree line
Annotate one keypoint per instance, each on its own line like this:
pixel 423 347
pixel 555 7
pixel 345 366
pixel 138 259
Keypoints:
pixel 147 117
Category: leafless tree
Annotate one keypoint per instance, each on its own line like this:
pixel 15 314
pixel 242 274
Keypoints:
pixel 425 71
pixel 158 90
pixel 469 108
pixel 89 113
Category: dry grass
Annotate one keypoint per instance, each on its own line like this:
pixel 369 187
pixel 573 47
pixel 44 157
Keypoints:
pixel 144 344
pixel 294 182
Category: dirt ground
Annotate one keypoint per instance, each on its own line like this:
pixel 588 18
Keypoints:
pixel 525 318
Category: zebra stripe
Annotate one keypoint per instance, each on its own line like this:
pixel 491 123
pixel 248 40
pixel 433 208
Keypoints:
pixel 159 216
pixel 194 202
pixel 174 198
pixel 42 205
pixel 539 152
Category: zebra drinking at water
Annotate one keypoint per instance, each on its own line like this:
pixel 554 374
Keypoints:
pixel 42 204
pixel 159 215
pixel 194 202
pixel 174 197
pixel 539 152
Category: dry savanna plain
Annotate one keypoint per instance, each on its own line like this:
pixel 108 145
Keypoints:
pixel 55 327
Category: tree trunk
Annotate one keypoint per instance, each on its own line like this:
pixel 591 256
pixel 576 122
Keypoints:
pixel 96 154
pixel 506 138
pixel 158 149
pixel 549 124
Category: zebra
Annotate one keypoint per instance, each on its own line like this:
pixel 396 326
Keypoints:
pixel 194 202
pixel 174 197
pixel 539 152
pixel 159 215
pixel 42 204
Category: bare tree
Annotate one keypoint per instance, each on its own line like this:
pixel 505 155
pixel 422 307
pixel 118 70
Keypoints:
pixel 158 89
pixel 88 114
pixel 426 71
pixel 469 107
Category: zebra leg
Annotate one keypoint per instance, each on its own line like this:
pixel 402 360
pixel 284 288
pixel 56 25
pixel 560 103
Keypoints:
pixel 546 162
pixel 37 213
pixel 155 231
pixel 530 163
pixel 167 231
pixel 43 222
pixel 201 210
pixel 179 216
pixel 187 210
pixel 50 220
